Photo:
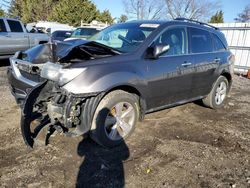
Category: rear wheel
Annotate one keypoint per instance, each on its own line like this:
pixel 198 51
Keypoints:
pixel 216 97
pixel 115 118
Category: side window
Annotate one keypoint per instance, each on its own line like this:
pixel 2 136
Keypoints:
pixel 2 26
pixel 15 26
pixel 176 38
pixel 218 45
pixel 201 41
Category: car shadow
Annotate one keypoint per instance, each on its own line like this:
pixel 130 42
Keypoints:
pixel 102 167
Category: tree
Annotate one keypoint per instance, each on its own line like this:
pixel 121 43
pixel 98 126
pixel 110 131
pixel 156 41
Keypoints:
pixel 123 18
pixel 15 9
pixel 2 13
pixel 31 10
pixel 192 9
pixel 105 17
pixel 244 16
pixel 144 9
pixel 73 11
pixel 217 18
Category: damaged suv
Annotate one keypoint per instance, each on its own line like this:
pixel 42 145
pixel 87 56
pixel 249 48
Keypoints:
pixel 104 86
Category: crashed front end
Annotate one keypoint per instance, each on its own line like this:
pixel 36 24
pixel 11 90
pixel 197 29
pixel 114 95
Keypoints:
pixel 55 109
pixel 46 104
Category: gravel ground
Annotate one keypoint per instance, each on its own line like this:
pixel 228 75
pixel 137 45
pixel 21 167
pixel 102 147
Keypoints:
pixel 185 146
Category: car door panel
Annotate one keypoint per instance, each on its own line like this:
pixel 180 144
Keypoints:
pixel 168 80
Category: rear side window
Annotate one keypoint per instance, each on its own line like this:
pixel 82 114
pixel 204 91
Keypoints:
pixel 218 45
pixel 15 26
pixel 2 26
pixel 201 41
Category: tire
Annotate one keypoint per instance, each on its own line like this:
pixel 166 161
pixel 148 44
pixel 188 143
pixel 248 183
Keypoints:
pixel 217 96
pixel 115 118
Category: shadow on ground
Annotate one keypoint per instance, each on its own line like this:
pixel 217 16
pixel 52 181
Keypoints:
pixel 101 167
pixel 4 62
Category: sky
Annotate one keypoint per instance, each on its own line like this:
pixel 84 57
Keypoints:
pixel 231 8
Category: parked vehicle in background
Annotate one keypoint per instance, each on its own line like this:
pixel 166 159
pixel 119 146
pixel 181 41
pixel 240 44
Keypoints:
pixel 14 37
pixel 60 35
pixel 104 86
pixel 87 30
pixel 50 27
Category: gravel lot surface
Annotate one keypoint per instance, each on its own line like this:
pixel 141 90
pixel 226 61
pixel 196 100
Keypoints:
pixel 185 146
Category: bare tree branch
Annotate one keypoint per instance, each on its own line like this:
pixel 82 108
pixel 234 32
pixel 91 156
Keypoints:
pixel 144 9
pixel 192 9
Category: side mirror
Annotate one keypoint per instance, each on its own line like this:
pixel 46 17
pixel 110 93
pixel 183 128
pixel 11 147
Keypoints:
pixel 154 51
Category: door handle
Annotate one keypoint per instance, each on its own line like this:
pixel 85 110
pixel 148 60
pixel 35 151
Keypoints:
pixel 7 36
pixel 185 64
pixel 217 60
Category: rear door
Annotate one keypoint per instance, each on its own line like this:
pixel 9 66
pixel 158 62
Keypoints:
pixel 205 61
pixel 4 39
pixel 170 76
pixel 18 38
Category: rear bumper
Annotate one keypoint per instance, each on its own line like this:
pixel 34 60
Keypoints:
pixel 19 85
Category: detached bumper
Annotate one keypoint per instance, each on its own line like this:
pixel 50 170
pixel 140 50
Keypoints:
pixel 19 85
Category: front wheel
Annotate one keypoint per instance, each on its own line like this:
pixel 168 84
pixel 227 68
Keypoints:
pixel 216 97
pixel 115 118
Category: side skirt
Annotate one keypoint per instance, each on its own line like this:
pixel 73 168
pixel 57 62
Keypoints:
pixel 174 104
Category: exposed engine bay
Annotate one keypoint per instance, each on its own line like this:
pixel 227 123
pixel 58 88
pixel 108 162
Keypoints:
pixel 47 106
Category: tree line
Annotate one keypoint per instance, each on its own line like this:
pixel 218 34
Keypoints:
pixel 73 11
pixel 64 11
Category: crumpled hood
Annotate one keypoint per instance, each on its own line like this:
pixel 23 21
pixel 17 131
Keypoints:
pixel 51 51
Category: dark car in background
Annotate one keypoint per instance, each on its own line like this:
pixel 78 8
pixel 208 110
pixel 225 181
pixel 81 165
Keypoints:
pixel 61 35
pixel 83 33
pixel 104 86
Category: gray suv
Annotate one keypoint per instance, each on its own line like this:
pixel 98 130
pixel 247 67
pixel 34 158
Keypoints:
pixel 104 86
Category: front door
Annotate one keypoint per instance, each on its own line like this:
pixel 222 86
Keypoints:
pixel 169 77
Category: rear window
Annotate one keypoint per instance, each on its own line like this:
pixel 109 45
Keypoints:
pixel 2 26
pixel 59 34
pixel 218 45
pixel 84 32
pixel 201 41
pixel 15 26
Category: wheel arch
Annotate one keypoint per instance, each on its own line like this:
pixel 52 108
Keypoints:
pixel 228 76
pixel 133 90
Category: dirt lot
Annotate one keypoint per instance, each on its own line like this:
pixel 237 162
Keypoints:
pixel 185 146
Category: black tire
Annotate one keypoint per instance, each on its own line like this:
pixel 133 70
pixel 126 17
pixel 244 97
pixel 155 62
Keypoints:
pixel 98 130
pixel 210 101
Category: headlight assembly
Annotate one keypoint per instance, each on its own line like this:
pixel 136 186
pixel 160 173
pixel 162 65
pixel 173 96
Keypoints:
pixel 57 73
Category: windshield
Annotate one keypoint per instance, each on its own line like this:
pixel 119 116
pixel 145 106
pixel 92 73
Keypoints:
pixel 124 37
pixel 84 32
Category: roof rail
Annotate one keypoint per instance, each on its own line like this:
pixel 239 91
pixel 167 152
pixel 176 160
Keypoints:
pixel 194 21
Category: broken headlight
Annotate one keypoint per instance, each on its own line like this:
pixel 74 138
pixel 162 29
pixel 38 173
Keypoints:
pixel 57 73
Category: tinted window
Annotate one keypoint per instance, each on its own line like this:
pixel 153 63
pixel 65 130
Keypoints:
pixel 2 26
pixel 218 45
pixel 59 34
pixel 15 26
pixel 176 38
pixel 201 41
